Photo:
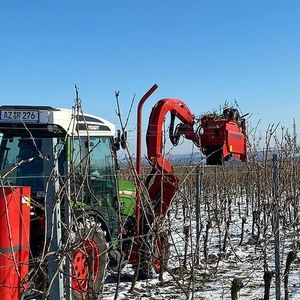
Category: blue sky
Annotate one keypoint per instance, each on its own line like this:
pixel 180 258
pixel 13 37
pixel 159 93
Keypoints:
pixel 203 52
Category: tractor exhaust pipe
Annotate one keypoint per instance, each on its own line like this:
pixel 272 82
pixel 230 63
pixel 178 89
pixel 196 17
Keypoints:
pixel 139 151
pixel 139 129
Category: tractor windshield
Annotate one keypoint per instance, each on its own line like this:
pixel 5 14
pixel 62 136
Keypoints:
pixel 25 161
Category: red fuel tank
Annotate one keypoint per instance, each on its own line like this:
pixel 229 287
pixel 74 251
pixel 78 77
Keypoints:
pixel 14 240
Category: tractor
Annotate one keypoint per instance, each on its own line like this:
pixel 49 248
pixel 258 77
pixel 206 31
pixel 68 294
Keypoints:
pixel 65 217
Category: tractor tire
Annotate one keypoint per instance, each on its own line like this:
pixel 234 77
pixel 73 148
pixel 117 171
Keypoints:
pixel 89 261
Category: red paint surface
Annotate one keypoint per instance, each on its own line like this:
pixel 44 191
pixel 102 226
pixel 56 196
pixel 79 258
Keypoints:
pixel 14 241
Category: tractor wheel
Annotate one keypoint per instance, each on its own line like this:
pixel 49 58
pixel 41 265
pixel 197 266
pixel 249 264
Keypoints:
pixel 161 253
pixel 89 262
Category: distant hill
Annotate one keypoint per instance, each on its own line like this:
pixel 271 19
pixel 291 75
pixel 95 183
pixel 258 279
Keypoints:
pixel 186 159
pixel 176 159
pixel 197 157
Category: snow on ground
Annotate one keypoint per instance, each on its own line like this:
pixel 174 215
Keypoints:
pixel 211 279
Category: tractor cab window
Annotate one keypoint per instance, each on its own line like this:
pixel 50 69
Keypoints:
pixel 26 161
pixel 102 177
pixel 30 170
pixel 93 181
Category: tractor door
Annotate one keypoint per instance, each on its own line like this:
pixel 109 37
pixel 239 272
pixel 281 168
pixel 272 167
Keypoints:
pixel 93 177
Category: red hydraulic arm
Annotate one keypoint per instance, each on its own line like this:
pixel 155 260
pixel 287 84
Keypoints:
pixel 165 183
pixel 221 137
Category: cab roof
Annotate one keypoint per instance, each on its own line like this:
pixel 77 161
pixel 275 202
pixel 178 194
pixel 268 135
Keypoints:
pixel 47 116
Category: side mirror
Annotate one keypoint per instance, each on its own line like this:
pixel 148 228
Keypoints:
pixel 124 139
pixel 120 140
pixel 117 140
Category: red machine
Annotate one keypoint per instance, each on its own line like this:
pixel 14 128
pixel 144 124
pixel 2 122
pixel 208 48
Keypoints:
pixel 223 136
pixel 14 241
pixel 218 136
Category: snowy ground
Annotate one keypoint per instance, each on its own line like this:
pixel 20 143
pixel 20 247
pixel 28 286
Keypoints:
pixel 211 279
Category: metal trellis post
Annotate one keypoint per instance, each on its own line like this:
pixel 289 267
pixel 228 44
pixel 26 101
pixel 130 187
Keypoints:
pixel 54 234
pixel 276 216
pixel 198 215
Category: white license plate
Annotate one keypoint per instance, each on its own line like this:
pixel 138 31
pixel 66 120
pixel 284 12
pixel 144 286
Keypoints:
pixel 19 115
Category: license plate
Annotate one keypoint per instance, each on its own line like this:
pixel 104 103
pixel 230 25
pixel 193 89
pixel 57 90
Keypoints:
pixel 19 115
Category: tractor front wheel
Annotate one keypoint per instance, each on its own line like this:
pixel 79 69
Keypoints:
pixel 89 263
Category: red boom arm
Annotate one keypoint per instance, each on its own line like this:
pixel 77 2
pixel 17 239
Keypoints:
pixel 165 183
pixel 222 137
